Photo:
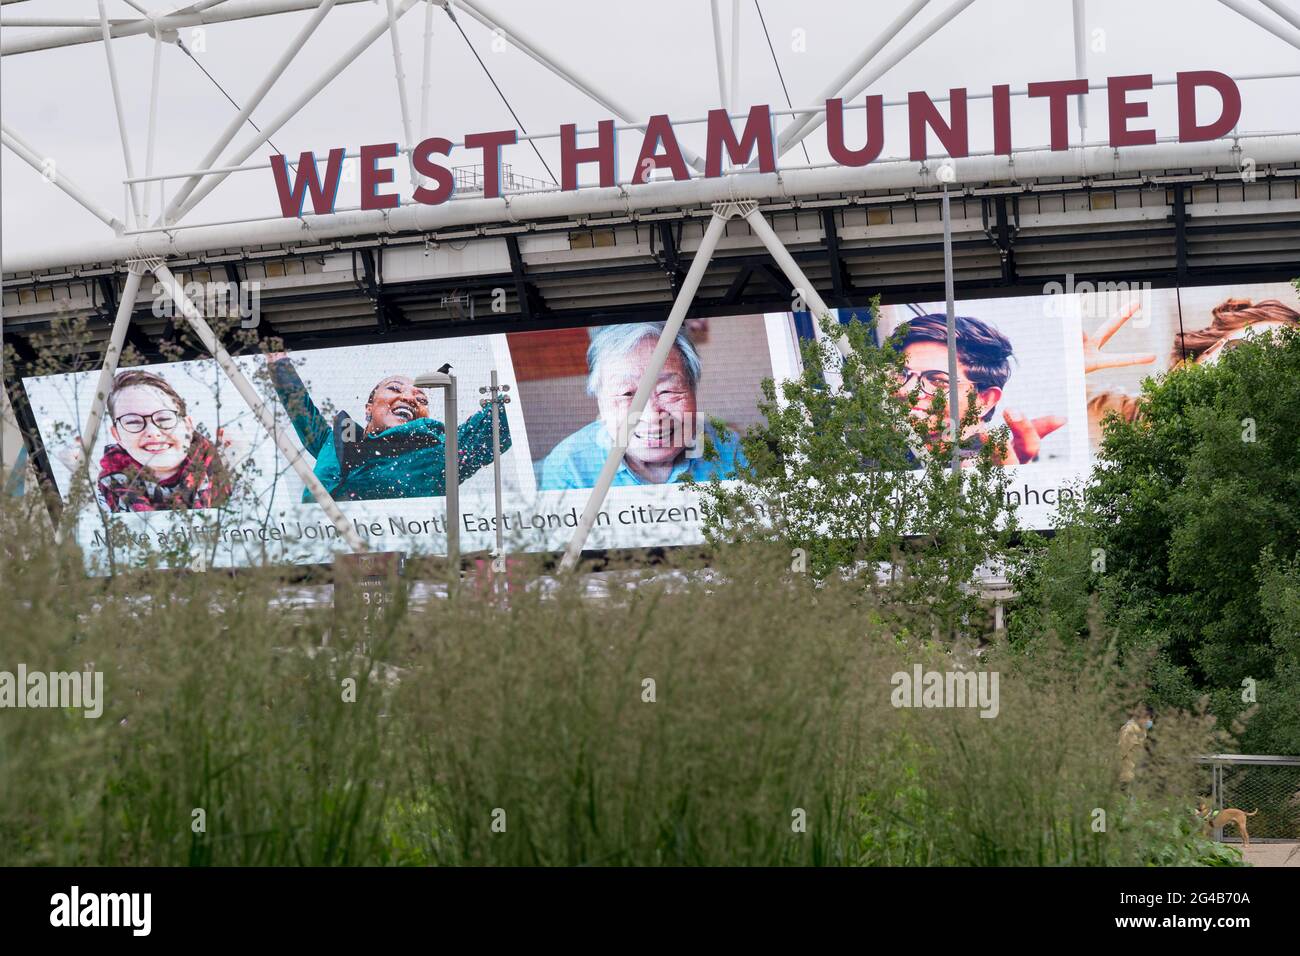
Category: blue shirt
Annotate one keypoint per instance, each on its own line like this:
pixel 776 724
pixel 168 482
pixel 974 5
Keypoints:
pixel 576 462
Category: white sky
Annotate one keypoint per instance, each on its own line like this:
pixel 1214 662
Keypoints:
pixel 656 57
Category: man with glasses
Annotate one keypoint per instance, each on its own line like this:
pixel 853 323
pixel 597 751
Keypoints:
pixel 983 367
pixel 159 461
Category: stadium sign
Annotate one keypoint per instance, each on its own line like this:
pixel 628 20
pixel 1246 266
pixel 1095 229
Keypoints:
pixel 661 150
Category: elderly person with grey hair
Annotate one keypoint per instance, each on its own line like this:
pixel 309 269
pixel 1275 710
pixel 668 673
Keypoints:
pixel 666 442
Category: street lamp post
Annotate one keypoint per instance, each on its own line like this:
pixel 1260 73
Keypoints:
pixel 447 382
pixel 496 400
pixel 946 174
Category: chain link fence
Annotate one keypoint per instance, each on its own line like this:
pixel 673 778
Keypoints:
pixel 1267 785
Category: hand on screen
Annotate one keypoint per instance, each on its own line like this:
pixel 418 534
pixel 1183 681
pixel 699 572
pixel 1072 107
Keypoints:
pixel 1027 436
pixel 1094 359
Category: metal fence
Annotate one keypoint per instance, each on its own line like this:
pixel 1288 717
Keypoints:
pixel 1268 785
pixel 469 179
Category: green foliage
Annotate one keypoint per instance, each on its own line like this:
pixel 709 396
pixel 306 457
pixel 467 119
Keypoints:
pixel 1194 507
pixel 1175 837
pixel 1278 717
pixel 222 695
pixel 853 481
pixel 1037 785
pixel 1056 578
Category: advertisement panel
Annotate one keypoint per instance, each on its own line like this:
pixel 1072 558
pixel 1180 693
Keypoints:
pixel 183 468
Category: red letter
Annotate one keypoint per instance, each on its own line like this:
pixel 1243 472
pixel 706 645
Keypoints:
pixel 1188 130
pixel 571 156
pixel 921 113
pixel 322 198
pixel 658 130
pixel 422 158
pixel 373 177
pixel 875 133
pixel 721 134
pixel 1121 110
pixel 1058 93
pixel 491 144
pixel 1002 120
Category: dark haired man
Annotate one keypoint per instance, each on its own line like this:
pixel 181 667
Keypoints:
pixel 983 367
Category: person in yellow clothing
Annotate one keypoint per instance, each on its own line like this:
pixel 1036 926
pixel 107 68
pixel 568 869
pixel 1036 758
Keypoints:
pixel 1132 741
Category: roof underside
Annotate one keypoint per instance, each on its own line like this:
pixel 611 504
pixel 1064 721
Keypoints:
pixel 1188 226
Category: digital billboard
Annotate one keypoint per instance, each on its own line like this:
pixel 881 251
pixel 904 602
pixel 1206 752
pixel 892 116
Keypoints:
pixel 183 465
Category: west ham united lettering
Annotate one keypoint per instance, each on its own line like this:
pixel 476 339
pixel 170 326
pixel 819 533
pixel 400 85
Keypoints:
pixel 755 142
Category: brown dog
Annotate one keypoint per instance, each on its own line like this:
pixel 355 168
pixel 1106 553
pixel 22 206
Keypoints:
pixel 1223 817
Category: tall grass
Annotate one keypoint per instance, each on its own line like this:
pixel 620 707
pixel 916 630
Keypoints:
pixel 742 718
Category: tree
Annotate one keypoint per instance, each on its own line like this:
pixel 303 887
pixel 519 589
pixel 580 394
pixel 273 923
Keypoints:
pixel 1195 507
pixel 857 481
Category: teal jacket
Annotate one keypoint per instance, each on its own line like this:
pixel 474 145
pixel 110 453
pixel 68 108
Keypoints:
pixel 406 461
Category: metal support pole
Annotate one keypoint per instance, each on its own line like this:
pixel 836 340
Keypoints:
pixel 552 63
pixel 723 99
pixel 117 338
pixel 202 5
pixel 121 116
pixel 791 139
pixel 451 457
pixel 1290 35
pixel 227 12
pixel 953 417
pixel 735 56
pixel 288 447
pixel 1081 63
pixel 29 155
pixel 1290 16
pixel 177 211
pixel 402 103
pixel 618 442
pixel 496 400
pixel 121 322
pixel 777 250
pixel 798 124
pixel 496 462
pixel 453 479
pixel 61 22
pixel 153 120
pixel 426 74
pixel 236 123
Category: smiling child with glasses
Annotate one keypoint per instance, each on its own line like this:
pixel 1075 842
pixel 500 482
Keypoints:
pixel 159 461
